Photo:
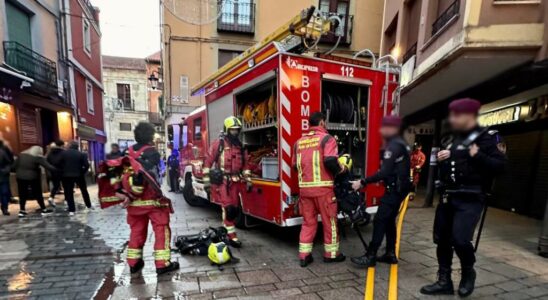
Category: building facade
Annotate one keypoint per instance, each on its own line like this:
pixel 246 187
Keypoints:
pixel 35 108
pixel 126 97
pixel 192 52
pixel 82 37
pixel 155 98
pixel 495 51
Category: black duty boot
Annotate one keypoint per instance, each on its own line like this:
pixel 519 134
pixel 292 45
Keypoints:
pixel 306 261
pixel 169 268
pixel 367 260
pixel 338 258
pixel 388 258
pixel 467 281
pixel 444 285
pixel 137 267
pixel 5 211
pixel 235 243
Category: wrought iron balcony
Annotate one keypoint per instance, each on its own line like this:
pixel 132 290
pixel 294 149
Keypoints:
pixel 451 12
pixel 36 66
pixel 410 52
pixel 236 17
pixel 346 39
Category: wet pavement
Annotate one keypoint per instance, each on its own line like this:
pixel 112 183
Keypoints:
pixel 82 257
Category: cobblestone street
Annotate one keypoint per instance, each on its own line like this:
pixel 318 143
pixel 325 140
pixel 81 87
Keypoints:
pixel 82 257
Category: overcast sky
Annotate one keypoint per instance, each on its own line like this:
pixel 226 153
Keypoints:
pixel 129 27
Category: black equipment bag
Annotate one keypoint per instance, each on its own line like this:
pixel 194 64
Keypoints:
pixel 197 244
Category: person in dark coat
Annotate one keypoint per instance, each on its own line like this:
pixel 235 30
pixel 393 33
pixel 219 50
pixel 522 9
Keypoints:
pixel 173 167
pixel 6 163
pixel 28 174
pixel 54 158
pixel 114 151
pixel 74 164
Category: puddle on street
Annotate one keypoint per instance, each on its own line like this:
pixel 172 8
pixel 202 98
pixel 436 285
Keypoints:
pixel 21 280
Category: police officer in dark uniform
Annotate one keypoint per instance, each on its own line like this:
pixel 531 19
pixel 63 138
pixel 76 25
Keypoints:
pixel 394 172
pixel 468 163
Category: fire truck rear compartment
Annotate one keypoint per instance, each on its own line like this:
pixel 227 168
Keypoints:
pixel 346 106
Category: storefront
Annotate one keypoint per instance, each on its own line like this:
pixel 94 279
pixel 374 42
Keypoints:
pixel 92 141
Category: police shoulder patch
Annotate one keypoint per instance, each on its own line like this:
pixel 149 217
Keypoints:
pixel 387 154
pixel 492 132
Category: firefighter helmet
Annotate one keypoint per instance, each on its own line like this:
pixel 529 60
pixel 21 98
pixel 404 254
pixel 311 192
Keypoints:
pixel 232 123
pixel 346 161
pixel 218 253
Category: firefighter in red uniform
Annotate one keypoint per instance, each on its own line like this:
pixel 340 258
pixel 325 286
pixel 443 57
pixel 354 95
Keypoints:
pixel 417 161
pixel 315 158
pixel 147 207
pixel 226 170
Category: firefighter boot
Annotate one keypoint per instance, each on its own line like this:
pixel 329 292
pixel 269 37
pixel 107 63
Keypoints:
pixel 388 258
pixel 306 261
pixel 467 281
pixel 339 258
pixel 235 243
pixel 367 260
pixel 137 267
pixel 171 266
pixel 444 285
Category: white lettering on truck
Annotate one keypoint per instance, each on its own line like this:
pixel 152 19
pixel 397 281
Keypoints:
pixel 305 107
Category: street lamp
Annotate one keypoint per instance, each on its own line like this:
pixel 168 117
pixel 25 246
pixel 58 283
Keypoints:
pixel 153 81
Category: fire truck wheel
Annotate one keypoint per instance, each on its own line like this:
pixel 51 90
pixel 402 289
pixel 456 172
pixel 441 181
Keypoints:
pixel 188 193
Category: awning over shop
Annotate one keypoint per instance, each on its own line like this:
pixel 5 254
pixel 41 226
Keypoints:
pixel 86 132
pixel 16 77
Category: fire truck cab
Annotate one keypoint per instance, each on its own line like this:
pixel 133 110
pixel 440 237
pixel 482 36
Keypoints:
pixel 273 92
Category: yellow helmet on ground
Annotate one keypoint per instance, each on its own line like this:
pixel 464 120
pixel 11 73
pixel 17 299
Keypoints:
pixel 232 123
pixel 346 161
pixel 218 253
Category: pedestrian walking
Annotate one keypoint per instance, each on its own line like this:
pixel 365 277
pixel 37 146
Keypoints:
pixel 74 165
pixel 28 175
pixel 144 210
pixel 114 151
pixel 418 158
pixel 315 158
pixel 54 158
pixel 173 170
pixel 468 164
pixel 6 163
pixel 394 173
pixel 226 169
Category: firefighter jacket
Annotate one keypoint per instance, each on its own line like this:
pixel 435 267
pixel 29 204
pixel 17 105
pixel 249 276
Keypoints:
pixel 417 159
pixel 231 159
pixel 311 152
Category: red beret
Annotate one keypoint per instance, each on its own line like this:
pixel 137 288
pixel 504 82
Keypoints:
pixel 391 121
pixel 465 105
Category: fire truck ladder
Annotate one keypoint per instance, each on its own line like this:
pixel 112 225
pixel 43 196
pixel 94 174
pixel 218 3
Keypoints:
pixel 306 28
pixel 393 279
pixel 392 71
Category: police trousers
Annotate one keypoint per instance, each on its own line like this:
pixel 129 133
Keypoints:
pixel 310 207
pixel 138 219
pixel 384 223
pixel 454 226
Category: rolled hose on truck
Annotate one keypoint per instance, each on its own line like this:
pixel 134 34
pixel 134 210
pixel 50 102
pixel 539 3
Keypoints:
pixel 340 107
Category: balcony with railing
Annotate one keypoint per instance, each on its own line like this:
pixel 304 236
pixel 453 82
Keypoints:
pixel 236 17
pixel 34 65
pixel 345 29
pixel 447 16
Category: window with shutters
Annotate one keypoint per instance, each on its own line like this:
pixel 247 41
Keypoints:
pixel 124 94
pixel 183 88
pixel 225 56
pixel 237 16
pixel 86 27
pixel 89 97
pixel 18 23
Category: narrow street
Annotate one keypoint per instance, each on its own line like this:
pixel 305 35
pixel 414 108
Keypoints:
pixel 82 257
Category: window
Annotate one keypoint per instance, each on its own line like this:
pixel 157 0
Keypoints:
pixel 226 55
pixel 18 23
pixel 124 94
pixel 198 129
pixel 87 35
pixel 237 16
pixel 125 126
pixel 339 8
pixel 183 88
pixel 89 97
pixel 184 136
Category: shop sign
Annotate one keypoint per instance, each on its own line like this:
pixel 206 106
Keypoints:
pixel 500 116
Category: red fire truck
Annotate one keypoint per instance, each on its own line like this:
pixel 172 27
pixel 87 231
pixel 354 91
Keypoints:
pixel 274 91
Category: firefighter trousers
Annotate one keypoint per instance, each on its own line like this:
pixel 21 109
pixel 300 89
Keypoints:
pixel 326 206
pixel 138 219
pixel 228 196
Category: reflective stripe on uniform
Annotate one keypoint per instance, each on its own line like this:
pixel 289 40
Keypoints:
pixel 333 248
pixel 316 184
pixel 133 253
pixel 110 199
pixel 299 168
pixel 316 166
pixel 167 237
pixel 162 254
pixel 230 229
pixel 154 203
pixel 205 171
pixel 222 160
pixel 305 247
